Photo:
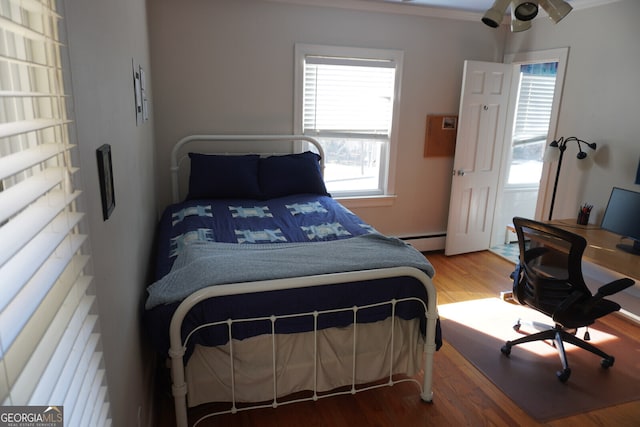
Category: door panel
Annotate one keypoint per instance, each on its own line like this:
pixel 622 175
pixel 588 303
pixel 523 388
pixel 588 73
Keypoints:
pixel 468 132
pixel 487 137
pixel 483 108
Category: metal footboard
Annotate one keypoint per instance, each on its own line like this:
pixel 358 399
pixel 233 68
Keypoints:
pixel 178 347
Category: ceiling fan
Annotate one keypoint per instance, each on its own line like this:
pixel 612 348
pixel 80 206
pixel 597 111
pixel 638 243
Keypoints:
pixel 523 11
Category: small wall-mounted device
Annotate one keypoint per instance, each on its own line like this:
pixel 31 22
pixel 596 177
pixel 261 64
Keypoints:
pixel 139 88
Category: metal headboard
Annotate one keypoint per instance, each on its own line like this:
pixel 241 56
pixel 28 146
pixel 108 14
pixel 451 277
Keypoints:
pixel 177 153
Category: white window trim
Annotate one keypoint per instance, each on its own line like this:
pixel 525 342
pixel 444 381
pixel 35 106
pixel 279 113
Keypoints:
pixel 302 49
pixel 367 201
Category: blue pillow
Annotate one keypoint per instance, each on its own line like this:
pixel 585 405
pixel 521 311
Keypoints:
pixel 291 174
pixel 223 177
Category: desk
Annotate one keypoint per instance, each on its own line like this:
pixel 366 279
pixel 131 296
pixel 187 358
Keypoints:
pixel 604 262
pixel 601 248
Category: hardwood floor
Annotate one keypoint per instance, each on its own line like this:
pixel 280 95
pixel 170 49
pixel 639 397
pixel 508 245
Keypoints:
pixel 462 395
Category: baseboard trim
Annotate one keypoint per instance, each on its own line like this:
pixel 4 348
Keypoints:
pixel 426 243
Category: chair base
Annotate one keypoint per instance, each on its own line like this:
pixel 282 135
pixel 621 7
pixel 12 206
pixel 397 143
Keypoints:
pixel 559 337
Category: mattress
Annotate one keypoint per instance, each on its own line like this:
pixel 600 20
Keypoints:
pixel 275 223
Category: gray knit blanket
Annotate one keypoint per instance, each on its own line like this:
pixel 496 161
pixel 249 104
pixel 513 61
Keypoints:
pixel 204 264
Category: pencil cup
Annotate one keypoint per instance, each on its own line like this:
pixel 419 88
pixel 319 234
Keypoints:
pixel 583 217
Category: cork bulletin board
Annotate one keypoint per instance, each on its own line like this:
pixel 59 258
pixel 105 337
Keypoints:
pixel 440 136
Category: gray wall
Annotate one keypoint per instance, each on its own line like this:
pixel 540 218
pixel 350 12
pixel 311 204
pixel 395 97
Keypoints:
pixel 600 101
pixel 226 66
pixel 104 36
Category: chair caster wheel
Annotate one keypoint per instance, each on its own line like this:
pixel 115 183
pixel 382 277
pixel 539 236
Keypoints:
pixel 506 349
pixel 608 362
pixel 564 375
pixel 516 327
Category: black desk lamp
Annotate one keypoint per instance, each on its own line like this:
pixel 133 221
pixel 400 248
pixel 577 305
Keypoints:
pixel 561 144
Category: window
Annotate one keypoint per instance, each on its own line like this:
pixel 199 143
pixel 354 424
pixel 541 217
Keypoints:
pixel 533 114
pixel 49 347
pixel 347 99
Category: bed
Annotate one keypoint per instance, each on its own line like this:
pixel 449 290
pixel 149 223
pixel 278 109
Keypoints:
pixel 266 287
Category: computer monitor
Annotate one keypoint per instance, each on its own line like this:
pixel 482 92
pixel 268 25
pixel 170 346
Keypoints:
pixel 622 216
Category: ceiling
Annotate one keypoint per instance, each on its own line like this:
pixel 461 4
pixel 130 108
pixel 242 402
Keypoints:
pixel 482 5
pixel 463 5
pixel 457 9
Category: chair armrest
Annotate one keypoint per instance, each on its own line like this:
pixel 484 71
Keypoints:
pixel 613 287
pixel 608 289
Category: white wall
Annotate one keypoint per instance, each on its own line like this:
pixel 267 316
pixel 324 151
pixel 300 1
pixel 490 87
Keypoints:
pixel 226 66
pixel 104 36
pixel 600 102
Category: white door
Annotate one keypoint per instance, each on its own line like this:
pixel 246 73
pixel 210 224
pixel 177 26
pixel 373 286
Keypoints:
pixel 476 167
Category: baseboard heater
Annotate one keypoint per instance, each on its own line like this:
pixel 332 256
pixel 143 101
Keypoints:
pixel 426 242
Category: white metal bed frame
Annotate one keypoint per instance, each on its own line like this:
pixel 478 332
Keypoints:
pixel 178 347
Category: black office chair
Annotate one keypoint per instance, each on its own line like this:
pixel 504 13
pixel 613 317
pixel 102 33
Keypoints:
pixel 549 279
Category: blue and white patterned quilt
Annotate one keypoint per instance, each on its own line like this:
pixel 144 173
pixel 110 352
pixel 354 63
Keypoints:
pixel 300 218
pixel 287 221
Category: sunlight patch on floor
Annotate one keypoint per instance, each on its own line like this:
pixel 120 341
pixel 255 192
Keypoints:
pixel 495 318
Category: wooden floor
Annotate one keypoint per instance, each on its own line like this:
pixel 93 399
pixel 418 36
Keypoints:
pixel 462 395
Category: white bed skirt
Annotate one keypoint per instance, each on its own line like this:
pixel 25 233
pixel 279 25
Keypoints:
pixel 208 373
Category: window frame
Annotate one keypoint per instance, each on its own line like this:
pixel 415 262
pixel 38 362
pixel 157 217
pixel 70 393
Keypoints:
pixel 389 154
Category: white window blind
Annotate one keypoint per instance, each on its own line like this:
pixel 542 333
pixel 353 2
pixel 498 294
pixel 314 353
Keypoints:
pixel 534 107
pixel 49 344
pixel 347 99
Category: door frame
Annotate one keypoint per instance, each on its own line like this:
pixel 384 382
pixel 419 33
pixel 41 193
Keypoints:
pixel 543 203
